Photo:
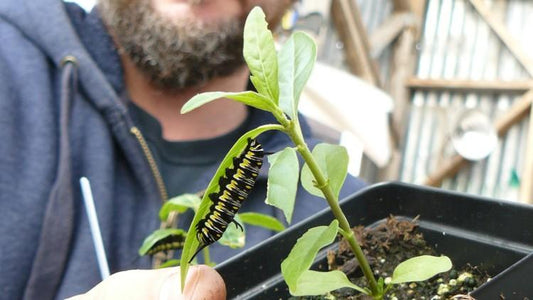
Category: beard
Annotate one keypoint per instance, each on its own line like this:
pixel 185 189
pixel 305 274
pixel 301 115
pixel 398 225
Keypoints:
pixel 173 54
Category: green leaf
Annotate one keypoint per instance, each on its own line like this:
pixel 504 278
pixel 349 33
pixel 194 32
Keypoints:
pixel 260 54
pixel 260 85
pixel 283 181
pixel 234 237
pixel 381 286
pixel 248 97
pixel 305 250
pixel 262 220
pixel 333 161
pixel 180 204
pixel 295 268
pixel 420 268
pixel 170 263
pixel 318 283
pixel 158 235
pixel 296 60
pixel 191 242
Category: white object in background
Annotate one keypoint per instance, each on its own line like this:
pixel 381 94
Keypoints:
pixel 474 137
pixel 85 4
pixel 355 151
pixel 95 228
pixel 347 103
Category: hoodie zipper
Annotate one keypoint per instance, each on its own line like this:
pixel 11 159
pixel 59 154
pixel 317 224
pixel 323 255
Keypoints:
pixel 151 161
pixel 172 219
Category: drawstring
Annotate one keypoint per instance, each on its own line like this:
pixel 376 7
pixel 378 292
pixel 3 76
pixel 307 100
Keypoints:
pixel 58 224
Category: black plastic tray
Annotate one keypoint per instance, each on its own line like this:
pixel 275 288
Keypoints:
pixel 485 232
pixel 513 283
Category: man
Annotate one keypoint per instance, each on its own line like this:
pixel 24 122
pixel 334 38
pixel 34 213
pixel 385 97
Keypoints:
pixel 98 95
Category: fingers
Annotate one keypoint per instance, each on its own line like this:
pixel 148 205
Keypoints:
pixel 202 282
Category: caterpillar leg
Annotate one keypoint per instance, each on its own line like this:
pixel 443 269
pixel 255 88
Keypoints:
pixel 197 251
pixel 237 225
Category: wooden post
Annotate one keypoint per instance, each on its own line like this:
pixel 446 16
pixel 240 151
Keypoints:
pixel 501 31
pixel 418 7
pixel 516 113
pixel 526 180
pixel 402 68
pixel 448 169
pixel 352 32
pixel 403 62
pixel 466 86
pixel 390 29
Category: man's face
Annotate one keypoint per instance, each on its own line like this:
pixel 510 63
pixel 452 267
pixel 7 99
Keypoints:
pixel 183 43
pixel 218 10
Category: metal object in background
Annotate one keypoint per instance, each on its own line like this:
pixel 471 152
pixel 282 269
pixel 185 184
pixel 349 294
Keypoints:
pixel 474 137
pixel 457 43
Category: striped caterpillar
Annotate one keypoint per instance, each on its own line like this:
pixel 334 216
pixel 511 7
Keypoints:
pixel 234 187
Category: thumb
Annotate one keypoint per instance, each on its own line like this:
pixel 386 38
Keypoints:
pixel 202 282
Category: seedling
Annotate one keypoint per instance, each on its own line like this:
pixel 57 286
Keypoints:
pixel 279 78
pixel 170 239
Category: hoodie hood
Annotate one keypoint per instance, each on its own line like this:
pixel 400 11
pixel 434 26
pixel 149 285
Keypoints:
pixel 57 101
pixel 47 24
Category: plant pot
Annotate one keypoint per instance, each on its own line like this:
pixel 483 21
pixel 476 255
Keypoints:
pixel 487 233
pixel 513 283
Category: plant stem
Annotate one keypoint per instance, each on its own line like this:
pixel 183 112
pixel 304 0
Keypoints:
pixel 207 257
pixel 294 132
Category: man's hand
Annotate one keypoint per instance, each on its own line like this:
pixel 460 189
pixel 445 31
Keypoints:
pixel 203 282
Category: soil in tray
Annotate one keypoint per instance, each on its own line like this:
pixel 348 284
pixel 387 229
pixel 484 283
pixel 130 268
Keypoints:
pixel 390 243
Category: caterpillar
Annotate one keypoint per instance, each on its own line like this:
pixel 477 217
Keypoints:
pixel 171 242
pixel 234 187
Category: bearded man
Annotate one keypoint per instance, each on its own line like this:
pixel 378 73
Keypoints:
pixel 98 95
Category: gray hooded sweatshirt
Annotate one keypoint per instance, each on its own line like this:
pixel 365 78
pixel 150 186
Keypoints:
pixel 63 116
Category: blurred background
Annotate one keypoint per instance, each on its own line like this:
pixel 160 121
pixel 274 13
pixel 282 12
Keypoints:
pixel 432 92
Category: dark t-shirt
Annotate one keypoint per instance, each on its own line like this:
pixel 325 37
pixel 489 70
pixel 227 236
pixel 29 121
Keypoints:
pixel 183 163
